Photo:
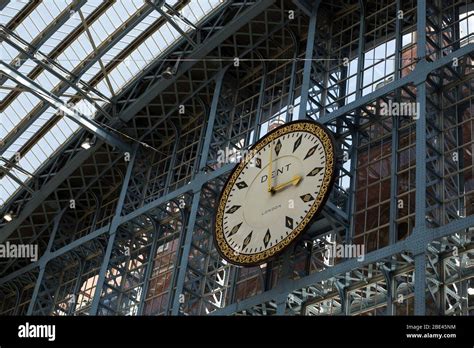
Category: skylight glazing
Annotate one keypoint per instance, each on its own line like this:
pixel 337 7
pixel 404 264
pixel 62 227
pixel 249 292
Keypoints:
pixel 79 55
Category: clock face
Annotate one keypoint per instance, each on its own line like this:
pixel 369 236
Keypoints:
pixel 274 192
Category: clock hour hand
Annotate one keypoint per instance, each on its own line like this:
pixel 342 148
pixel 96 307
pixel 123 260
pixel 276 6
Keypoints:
pixel 294 181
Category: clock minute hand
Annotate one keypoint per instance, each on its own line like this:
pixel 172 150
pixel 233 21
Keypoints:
pixel 270 186
pixel 294 181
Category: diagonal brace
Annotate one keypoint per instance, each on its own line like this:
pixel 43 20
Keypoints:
pixel 56 102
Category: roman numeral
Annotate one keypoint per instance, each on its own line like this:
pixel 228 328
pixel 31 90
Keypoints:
pixel 258 163
pixel 307 198
pixel 315 171
pixel 278 147
pixel 247 240
pixel 233 209
pixel 289 222
pixel 311 151
pixel 234 229
pixel 241 185
pixel 297 143
pixel 267 237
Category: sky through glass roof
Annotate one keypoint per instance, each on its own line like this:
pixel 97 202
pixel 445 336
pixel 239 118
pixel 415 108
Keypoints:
pixel 70 32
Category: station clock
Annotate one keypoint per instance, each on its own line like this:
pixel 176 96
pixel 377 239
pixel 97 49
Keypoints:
pixel 274 192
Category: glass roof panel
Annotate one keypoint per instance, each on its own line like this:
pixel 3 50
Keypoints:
pixel 29 29
pixel 11 10
pixel 72 57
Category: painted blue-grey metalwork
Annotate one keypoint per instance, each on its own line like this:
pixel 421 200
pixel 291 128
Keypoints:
pixel 139 239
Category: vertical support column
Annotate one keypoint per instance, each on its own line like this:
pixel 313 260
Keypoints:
pixel 420 281
pixel 43 261
pixel 291 88
pixel 308 61
pixel 355 139
pixel 420 198
pixel 420 206
pixel 211 120
pixel 186 241
pixel 392 229
pixel 261 97
pixel 149 267
pixel 112 232
pixel 233 277
pixel 169 177
pixel 281 304
pixel 285 277
pixel 442 289
pixel 345 300
pixel 390 290
pixel 352 189
pixel 460 131
pixel 183 263
pixel 197 161
pixel 361 51
pixel 77 288
pixel 395 144
pixel 36 290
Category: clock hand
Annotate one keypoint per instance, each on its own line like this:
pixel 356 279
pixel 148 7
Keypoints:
pixel 295 181
pixel 270 187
